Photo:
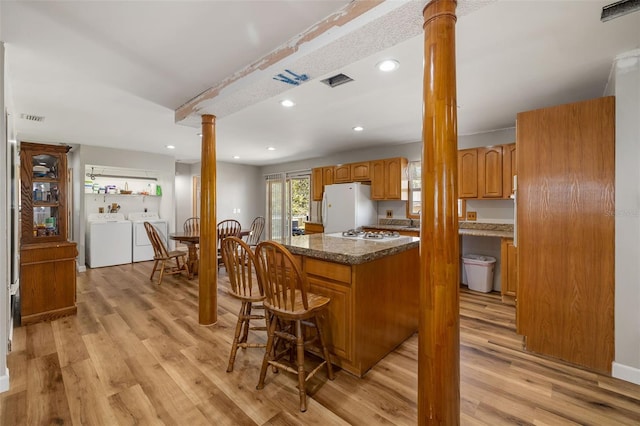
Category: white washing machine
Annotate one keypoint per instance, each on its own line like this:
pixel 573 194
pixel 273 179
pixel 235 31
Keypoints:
pixel 107 240
pixel 141 246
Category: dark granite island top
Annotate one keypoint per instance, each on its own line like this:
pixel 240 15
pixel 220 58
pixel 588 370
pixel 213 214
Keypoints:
pixel 373 286
pixel 349 251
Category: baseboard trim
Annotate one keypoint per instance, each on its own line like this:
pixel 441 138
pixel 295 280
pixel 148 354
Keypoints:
pixel 626 373
pixel 4 381
pixel 80 268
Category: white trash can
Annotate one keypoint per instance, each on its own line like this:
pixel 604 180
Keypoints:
pixel 479 270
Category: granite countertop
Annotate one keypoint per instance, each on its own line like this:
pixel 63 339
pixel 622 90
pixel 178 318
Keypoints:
pixel 348 251
pixel 486 233
pixel 479 229
pixel 394 227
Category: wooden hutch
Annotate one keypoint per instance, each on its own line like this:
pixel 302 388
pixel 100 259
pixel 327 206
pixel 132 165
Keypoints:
pixel 47 258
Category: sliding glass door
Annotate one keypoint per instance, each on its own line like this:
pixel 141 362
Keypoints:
pixel 288 198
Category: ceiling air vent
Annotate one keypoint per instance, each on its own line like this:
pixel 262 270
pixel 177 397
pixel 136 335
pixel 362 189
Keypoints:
pixel 337 80
pixel 31 117
pixel 618 9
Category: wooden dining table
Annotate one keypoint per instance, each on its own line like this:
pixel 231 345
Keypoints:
pixel 192 239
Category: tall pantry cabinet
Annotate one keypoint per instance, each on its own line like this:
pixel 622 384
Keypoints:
pixel 47 259
pixel 565 238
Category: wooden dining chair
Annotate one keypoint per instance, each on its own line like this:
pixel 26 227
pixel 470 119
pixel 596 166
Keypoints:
pixel 226 228
pixel 164 257
pixel 192 225
pixel 288 301
pixel 246 286
pixel 255 231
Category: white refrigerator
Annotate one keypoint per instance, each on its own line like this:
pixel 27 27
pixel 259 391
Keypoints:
pixel 348 206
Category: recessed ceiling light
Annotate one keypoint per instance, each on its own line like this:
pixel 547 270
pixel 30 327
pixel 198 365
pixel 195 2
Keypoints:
pixel 236 157
pixel 287 103
pixel 270 148
pixel 358 129
pixel 170 147
pixel 388 65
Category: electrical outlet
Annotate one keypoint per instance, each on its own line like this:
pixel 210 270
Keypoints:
pixel 389 213
pixel 471 216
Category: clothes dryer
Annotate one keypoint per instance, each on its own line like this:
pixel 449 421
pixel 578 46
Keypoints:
pixel 141 248
pixel 107 240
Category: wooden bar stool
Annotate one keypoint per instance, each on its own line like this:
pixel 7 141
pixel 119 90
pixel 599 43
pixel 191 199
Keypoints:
pixel 288 301
pixel 240 263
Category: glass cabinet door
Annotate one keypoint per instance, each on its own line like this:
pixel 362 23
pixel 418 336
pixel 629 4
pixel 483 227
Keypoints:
pixel 43 204
pixel 46 195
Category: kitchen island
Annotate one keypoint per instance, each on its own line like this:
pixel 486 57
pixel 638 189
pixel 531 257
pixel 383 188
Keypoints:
pixel 373 286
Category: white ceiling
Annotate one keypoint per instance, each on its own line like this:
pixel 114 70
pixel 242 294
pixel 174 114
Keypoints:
pixel 114 73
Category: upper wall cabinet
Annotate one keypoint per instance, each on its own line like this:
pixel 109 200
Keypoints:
pixel 389 179
pixel 320 177
pixel 490 172
pixel 342 173
pixel 509 169
pixel 468 173
pixel 486 172
pixel 360 171
pixel 352 172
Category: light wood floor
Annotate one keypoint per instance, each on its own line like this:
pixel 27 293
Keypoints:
pixel 135 354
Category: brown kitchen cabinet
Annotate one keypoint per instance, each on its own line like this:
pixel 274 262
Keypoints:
pixel 47 281
pixel 509 169
pixel 389 179
pixel 490 172
pixel 352 172
pixel 320 177
pixel 313 228
pixel 47 259
pixel 373 309
pixel 481 172
pixel 508 270
pixel 342 173
pixel 360 172
pixel 566 232
pixel 468 173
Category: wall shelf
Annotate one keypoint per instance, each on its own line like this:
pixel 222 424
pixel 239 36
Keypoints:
pixel 105 196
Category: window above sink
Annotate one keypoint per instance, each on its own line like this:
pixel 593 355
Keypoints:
pixel 414 205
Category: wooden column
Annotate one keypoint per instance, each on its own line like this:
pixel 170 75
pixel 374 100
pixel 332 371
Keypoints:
pixel 439 333
pixel 208 268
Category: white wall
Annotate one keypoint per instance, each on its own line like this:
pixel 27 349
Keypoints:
pixel 239 192
pixel 4 227
pixel 625 84
pixel 184 198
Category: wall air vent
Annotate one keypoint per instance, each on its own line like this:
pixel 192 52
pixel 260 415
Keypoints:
pixel 337 80
pixel 31 117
